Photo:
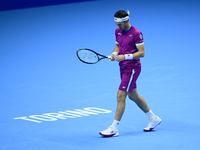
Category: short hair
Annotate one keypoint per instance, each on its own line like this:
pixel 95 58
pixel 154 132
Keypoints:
pixel 121 14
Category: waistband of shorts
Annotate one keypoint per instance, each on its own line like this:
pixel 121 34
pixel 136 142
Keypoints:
pixel 122 66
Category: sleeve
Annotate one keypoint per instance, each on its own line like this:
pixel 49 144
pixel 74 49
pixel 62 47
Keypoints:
pixel 139 39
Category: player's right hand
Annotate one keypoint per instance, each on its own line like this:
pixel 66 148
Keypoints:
pixel 112 57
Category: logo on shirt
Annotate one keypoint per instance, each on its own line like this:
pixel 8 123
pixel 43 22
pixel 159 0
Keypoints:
pixel 119 34
pixel 141 37
pixel 130 35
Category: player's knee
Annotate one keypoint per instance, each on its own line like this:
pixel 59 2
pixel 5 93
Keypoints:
pixel 133 97
pixel 121 96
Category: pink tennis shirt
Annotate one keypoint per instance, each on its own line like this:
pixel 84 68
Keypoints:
pixel 127 42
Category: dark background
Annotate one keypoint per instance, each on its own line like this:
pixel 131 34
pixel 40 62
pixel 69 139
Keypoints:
pixel 18 4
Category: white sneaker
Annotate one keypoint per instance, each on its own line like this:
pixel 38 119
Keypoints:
pixel 110 132
pixel 152 124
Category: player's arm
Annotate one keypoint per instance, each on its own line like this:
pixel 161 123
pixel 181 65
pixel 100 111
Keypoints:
pixel 140 53
pixel 115 52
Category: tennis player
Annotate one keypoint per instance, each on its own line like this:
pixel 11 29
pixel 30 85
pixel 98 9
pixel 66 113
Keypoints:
pixel 128 51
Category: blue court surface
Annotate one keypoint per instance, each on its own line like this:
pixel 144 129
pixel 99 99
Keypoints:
pixel 49 100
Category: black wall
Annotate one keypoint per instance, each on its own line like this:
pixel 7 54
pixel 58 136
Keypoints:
pixel 18 4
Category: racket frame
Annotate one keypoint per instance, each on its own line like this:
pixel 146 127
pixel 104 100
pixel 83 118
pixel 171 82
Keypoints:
pixel 102 56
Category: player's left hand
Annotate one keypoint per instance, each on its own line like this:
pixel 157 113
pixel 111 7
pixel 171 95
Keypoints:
pixel 120 58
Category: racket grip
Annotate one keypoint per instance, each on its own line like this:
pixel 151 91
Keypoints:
pixel 109 57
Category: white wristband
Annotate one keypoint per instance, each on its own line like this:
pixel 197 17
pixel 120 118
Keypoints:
pixel 128 56
pixel 115 53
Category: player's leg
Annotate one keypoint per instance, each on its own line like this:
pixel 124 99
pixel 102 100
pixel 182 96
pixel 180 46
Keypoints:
pixel 121 102
pixel 153 119
pixel 134 96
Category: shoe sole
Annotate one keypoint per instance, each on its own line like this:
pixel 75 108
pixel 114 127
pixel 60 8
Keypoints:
pixel 152 128
pixel 111 135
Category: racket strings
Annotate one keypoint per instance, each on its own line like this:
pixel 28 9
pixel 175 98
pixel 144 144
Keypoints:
pixel 88 56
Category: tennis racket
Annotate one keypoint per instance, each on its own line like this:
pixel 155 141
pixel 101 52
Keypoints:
pixel 89 56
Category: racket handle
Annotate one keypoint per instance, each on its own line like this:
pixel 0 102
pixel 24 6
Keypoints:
pixel 109 57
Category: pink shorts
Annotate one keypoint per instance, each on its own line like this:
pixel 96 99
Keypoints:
pixel 129 76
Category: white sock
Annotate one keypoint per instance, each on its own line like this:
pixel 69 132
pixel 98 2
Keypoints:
pixel 115 123
pixel 150 115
